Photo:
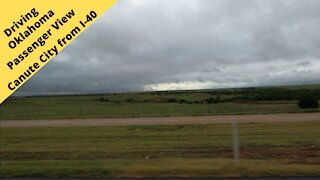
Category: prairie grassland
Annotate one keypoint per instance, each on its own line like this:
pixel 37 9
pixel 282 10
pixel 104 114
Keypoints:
pixel 267 149
pixel 81 107
pixel 268 100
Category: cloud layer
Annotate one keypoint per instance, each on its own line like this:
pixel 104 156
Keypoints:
pixel 163 44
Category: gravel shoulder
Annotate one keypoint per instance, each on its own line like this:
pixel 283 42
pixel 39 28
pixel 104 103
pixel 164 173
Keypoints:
pixel 294 117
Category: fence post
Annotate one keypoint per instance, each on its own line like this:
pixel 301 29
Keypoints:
pixel 235 139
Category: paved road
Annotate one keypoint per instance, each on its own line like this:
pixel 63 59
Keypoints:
pixel 163 120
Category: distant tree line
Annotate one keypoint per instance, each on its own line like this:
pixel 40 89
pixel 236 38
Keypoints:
pixel 274 94
pixel 307 98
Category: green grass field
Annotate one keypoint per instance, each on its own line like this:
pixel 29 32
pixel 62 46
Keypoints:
pixel 150 104
pixel 267 149
pixel 59 108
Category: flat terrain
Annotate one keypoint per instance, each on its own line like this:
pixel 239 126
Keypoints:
pixel 163 120
pixel 160 104
pixel 161 134
pixel 195 150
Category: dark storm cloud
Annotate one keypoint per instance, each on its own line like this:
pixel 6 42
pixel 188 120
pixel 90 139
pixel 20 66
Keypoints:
pixel 164 44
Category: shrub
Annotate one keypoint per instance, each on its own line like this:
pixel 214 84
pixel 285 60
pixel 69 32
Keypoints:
pixel 308 102
pixel 172 100
pixel 130 100
pixel 103 99
pixel 182 101
pixel 211 100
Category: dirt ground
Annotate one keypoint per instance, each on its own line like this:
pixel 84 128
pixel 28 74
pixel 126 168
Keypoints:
pixel 163 120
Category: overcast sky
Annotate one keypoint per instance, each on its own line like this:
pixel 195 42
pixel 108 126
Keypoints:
pixel 189 44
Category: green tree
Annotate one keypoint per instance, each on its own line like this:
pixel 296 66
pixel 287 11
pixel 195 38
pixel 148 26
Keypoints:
pixel 308 101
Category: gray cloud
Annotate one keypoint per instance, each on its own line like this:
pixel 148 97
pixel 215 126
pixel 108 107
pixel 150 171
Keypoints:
pixel 142 44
